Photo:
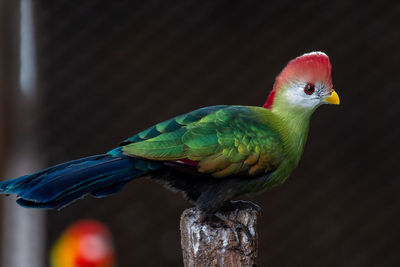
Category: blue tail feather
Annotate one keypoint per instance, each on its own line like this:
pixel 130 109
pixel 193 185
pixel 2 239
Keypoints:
pixel 57 186
pixel 109 190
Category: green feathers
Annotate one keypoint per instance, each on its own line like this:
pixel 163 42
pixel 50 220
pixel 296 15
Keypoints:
pixel 226 140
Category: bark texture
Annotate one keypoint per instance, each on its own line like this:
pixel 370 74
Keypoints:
pixel 211 243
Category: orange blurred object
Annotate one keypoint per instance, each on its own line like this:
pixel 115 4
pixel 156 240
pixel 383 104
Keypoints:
pixel 87 243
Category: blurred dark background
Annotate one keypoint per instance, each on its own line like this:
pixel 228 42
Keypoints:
pixel 108 69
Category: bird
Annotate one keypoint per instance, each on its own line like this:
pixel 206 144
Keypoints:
pixel 85 243
pixel 212 155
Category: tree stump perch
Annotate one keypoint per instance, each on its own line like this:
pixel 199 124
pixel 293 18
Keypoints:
pixel 214 244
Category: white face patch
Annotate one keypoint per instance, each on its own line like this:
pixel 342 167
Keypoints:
pixel 296 96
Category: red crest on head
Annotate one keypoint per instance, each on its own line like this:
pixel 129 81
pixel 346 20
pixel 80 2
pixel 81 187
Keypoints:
pixel 311 67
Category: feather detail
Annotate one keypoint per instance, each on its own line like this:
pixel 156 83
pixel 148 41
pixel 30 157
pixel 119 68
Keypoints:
pixel 233 168
pixel 187 161
pixel 57 186
pixel 213 163
pixel 226 141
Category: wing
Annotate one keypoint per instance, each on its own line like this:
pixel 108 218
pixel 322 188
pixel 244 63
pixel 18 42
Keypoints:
pixel 172 125
pixel 224 140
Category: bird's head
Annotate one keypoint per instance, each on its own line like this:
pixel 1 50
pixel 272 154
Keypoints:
pixel 84 244
pixel 305 83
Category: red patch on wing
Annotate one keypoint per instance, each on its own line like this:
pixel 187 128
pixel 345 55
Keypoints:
pixel 188 162
pixel 311 67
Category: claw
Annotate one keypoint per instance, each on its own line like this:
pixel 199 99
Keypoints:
pixel 234 205
pixel 235 225
pixel 243 204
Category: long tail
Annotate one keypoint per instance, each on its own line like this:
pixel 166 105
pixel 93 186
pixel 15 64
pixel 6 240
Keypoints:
pixel 57 186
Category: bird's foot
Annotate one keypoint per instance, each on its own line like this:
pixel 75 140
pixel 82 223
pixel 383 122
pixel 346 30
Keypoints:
pixel 242 205
pixel 235 226
pixel 225 216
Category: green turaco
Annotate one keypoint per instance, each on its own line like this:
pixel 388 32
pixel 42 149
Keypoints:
pixel 213 154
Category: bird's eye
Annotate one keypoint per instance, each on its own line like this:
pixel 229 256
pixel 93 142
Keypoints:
pixel 309 89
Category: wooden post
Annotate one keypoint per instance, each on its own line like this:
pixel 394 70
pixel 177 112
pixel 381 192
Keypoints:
pixel 214 244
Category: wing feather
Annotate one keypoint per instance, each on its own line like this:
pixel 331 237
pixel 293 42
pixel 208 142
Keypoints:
pixel 226 140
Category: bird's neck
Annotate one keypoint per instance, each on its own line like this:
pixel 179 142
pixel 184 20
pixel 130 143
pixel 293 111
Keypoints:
pixel 294 126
